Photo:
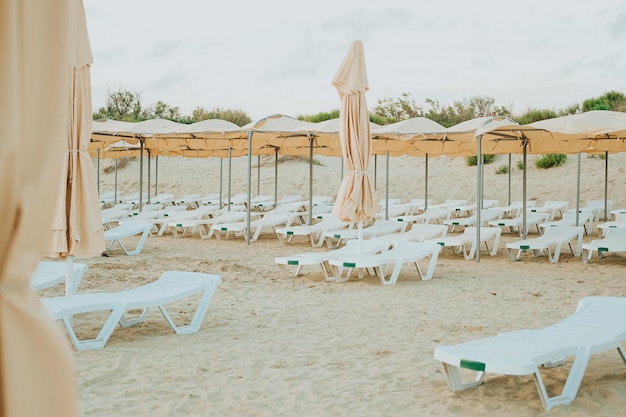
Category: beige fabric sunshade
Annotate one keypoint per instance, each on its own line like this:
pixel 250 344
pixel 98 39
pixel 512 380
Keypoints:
pixel 356 200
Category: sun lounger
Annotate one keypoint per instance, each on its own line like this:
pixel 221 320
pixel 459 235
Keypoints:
pixel 335 238
pixel 532 219
pixel 50 273
pixel 487 215
pixel 553 237
pixel 468 238
pixel 315 231
pixel 125 230
pixel 614 241
pixel 171 287
pixel 273 220
pixel 597 326
pixel 436 214
pixel 400 254
pixel 596 207
pixel 203 226
pixel 321 258
pixel 585 219
pixel 552 207
pixel 619 222
pixel 515 208
pixel 418 233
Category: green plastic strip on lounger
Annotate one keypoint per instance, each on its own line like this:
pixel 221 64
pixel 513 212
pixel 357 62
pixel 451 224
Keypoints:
pixel 290 232
pixel 337 236
pixel 473 365
pixel 603 249
pixel 293 262
pixel 349 264
pixel 442 243
pixel 224 229
pixel 501 224
pixel 524 247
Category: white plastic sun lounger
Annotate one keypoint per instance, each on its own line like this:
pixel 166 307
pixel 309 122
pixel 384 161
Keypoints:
pixel 487 215
pixel 128 229
pixel 553 237
pixel 335 238
pixel 614 241
pixel 315 231
pixel 419 232
pixel 468 238
pixel 50 273
pixel 597 326
pixel 400 254
pixel 171 287
pixel 322 258
pixel 269 220
pixel 516 223
pixel 585 219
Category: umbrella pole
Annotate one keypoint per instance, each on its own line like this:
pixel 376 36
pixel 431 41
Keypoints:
pixel 98 170
pixel 230 173
pixel 149 166
pixel 578 190
pixel 375 172
pixel 221 180
pixel 115 191
pixel 387 187
pixel 249 186
pixel 275 177
pixel 69 275
pixel 524 197
pixel 360 237
pixel 509 180
pixel 140 175
pixel 156 175
pixel 479 196
pixel 310 222
pixel 606 185
pixel 426 183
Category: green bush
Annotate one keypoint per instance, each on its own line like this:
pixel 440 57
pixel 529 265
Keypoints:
pixel 597 156
pixel 502 169
pixel 551 160
pixel 472 161
pixel 520 165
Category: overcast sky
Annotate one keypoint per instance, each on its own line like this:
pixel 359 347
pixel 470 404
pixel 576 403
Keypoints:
pixel 279 56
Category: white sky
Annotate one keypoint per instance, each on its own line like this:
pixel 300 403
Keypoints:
pixel 279 56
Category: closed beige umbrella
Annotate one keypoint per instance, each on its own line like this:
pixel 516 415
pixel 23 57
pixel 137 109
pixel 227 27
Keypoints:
pixel 36 368
pixel 356 200
pixel 77 225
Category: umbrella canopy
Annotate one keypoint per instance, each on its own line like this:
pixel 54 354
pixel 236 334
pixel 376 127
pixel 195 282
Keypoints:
pixel 356 200
pixel 77 226
pixel 36 366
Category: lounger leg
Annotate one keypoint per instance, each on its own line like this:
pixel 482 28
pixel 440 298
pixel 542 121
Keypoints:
pixel 105 332
pixel 198 316
pixel 455 383
pixel 572 383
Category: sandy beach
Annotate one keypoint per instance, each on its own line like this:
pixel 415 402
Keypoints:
pixel 284 346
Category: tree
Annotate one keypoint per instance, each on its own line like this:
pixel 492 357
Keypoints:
pixel 535 115
pixel 393 110
pixel 161 110
pixel 238 117
pixel 121 105
pixel 613 100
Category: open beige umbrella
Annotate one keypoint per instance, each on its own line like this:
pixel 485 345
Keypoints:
pixel 77 226
pixel 356 200
pixel 36 369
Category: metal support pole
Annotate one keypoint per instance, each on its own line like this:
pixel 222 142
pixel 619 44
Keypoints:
pixel 426 183
pixel 149 163
pixel 275 177
pixel 258 175
pixel 524 195
pixel 311 140
pixel 98 170
pixel 249 186
pixel 578 191
pixel 387 186
pixel 509 180
pixel 230 174
pixel 156 175
pixel 479 196
pixel 140 175
pixel 221 181
pixel 606 186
